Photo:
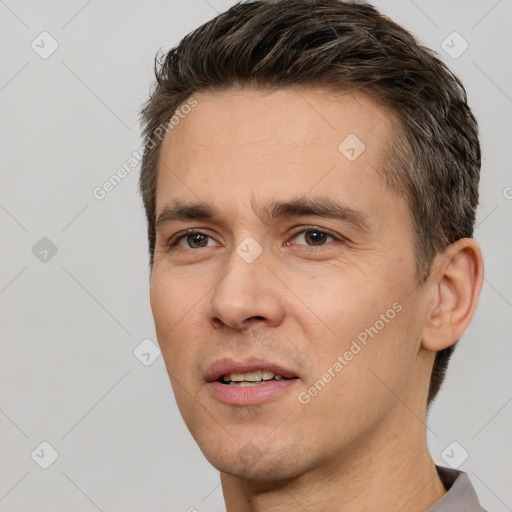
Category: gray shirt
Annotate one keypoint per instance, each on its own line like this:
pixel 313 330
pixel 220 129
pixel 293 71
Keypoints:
pixel 460 495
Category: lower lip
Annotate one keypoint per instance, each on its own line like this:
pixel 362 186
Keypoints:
pixel 250 395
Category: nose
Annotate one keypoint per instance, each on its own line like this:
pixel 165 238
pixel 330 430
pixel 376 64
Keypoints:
pixel 246 294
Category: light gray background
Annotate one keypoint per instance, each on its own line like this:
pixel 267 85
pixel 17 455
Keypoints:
pixel 70 325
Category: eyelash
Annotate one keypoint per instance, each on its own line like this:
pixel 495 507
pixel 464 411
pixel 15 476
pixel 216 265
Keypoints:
pixel 176 239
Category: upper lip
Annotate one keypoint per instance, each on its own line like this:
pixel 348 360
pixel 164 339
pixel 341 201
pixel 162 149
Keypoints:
pixel 226 365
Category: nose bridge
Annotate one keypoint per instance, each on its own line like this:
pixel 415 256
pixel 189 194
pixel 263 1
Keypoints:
pixel 245 290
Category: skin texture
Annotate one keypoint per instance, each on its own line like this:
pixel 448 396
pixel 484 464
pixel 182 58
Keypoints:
pixel 360 443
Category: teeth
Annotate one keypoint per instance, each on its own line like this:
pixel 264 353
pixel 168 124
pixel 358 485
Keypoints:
pixel 253 376
pixel 256 376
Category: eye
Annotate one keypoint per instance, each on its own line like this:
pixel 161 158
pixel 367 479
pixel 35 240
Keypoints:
pixel 196 238
pixel 314 236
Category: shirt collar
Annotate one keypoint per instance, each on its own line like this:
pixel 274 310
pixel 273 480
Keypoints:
pixel 460 495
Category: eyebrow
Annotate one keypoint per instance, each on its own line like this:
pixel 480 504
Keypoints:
pixel 275 210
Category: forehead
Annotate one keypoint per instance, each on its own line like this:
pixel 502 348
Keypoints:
pixel 287 140
pixel 298 117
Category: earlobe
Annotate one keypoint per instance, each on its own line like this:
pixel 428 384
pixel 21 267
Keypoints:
pixel 456 279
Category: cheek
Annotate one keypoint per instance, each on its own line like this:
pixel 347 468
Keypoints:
pixel 366 383
pixel 387 358
pixel 372 328
pixel 163 302
pixel 172 298
pixel 170 307
pixel 174 338
pixel 344 305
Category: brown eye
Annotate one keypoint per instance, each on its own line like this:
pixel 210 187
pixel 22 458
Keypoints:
pixel 314 237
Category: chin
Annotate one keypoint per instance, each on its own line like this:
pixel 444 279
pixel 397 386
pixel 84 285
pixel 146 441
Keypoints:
pixel 250 464
pixel 260 474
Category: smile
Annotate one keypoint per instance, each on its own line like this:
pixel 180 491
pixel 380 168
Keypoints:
pixel 250 382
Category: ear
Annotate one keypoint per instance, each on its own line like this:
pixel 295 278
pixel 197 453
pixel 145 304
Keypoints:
pixel 456 280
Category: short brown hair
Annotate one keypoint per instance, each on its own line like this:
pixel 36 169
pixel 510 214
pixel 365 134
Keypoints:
pixel 434 158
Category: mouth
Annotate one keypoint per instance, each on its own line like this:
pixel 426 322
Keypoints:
pixel 249 382
pixel 254 378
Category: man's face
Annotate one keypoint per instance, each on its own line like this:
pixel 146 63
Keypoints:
pixel 287 293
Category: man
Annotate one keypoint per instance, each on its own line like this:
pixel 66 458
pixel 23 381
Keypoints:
pixel 310 182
